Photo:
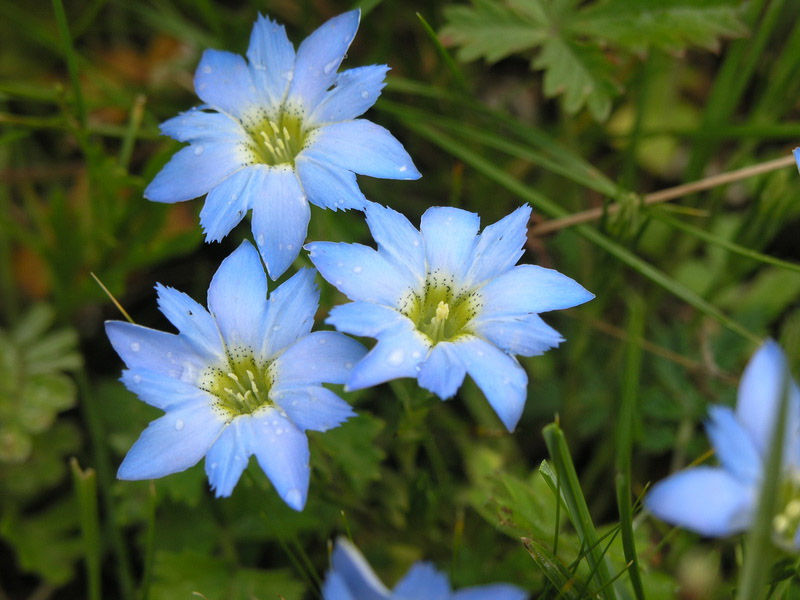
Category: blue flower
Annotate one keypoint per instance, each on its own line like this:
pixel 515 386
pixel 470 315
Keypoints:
pixel 445 301
pixel 720 501
pixel 241 378
pixel 277 131
pixel 351 578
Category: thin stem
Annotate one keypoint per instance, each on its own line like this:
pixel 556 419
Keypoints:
pixel 665 195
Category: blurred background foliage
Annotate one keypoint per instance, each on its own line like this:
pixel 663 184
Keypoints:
pixel 565 104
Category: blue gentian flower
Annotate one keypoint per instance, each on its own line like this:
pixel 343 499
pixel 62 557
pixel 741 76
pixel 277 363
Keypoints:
pixel 277 131
pixel 720 501
pixel 445 301
pixel 241 378
pixel 351 578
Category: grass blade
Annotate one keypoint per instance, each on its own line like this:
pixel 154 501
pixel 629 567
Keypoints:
pixel 85 483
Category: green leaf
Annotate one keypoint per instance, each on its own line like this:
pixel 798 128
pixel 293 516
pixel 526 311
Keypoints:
pixel 667 24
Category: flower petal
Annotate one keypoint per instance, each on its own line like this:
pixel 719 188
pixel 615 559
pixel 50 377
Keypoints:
pixel 319 57
pixel 499 246
pixel 328 186
pixel 271 57
pixel 160 352
pixel 334 588
pixel 734 445
pixel 502 380
pixel 496 591
pixel 759 399
pixel 314 407
pixel 359 272
pixel 397 354
pixel 237 298
pixel 422 581
pixel 228 457
pixel 363 147
pixel 442 372
pixel 398 240
pixel 319 357
pixel 365 319
pixel 349 564
pixel 192 320
pixel 163 392
pixel 194 170
pixel 707 500
pixel 355 91
pixel 450 236
pixel 530 289
pixel 290 313
pixel 282 452
pixel 527 335
pixel 198 125
pixel 227 204
pixel 223 81
pixel 280 219
pixel 172 443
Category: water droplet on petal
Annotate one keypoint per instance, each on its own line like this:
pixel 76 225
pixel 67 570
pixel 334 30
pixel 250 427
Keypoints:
pixel 260 240
pixel 137 378
pixel 416 354
pixel 358 269
pixel 135 346
pixel 365 94
pixel 348 365
pixel 212 466
pixel 396 357
pixel 321 341
pixel 179 424
pixel 279 431
pixel 198 150
pixel 207 69
pixel 403 169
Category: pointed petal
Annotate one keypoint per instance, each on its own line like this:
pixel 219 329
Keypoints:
pixel 398 240
pixel 280 219
pixel 282 452
pixel 397 354
pixel 172 443
pixel 496 591
pixel 319 57
pixel 222 80
pixel 334 588
pixel 355 91
pixel 422 581
pixel 442 372
pixel 734 445
pixel 499 246
pixel 365 319
pixel 328 186
pixel 450 236
pixel 290 313
pixel 349 564
pixel 363 147
pixel 314 407
pixel 228 457
pixel 198 125
pixel 164 392
pixel 227 204
pixel 502 380
pixel 320 357
pixel 759 399
pixel 706 500
pixel 359 272
pixel 160 352
pixel 237 298
pixel 271 57
pixel 194 170
pixel 527 335
pixel 530 289
pixel 194 322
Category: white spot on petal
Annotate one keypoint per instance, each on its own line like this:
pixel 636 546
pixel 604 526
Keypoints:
pixel 260 240
pixel 358 269
pixel 198 150
pixel 135 346
pixel 137 378
pixel 207 69
pixel 293 497
pixel 179 424
pixel 403 169
pixel 365 94
pixel 396 357
pixel 416 354
pixel 330 67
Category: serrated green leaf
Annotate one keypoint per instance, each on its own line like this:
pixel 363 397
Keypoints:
pixel 667 24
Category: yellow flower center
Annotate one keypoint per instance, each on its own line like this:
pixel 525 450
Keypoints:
pixel 440 311
pixel 241 387
pixel 276 139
